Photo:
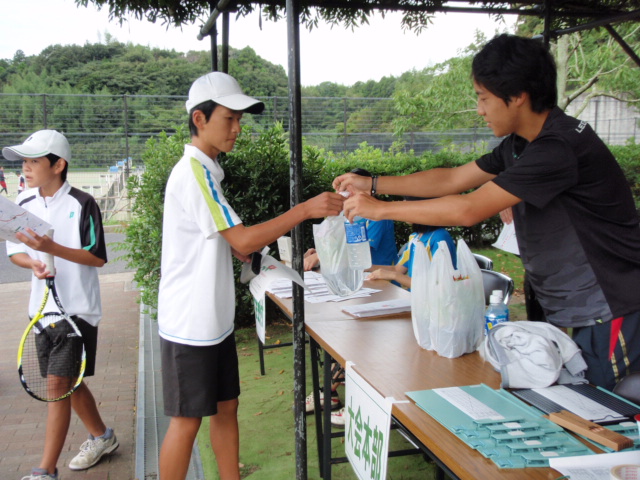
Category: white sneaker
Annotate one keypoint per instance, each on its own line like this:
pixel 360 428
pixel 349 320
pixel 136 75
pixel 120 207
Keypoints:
pixel 41 474
pixel 339 418
pixel 92 450
pixel 309 405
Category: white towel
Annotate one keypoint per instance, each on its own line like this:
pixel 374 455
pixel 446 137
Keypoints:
pixel 533 355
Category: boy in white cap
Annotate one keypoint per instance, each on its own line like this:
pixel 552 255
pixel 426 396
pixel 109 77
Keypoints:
pixel 79 248
pixel 196 303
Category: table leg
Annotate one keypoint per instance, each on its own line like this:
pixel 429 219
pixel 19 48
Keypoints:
pixel 261 355
pixel 326 449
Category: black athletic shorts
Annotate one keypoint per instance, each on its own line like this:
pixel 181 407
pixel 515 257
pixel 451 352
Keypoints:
pixel 50 348
pixel 195 379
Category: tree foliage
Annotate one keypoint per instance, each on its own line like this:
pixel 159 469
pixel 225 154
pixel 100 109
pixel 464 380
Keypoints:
pixel 591 63
pixel 116 68
pixel 439 97
pixel 417 14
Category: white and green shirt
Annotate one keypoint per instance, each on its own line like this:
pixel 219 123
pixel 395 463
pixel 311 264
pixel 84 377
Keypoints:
pixel 196 303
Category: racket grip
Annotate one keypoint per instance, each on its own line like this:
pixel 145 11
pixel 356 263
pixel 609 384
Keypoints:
pixel 47 258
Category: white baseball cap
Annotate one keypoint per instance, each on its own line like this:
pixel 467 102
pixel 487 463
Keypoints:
pixel 224 90
pixel 40 144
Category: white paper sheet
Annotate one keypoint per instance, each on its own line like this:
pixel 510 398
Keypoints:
pixel 376 309
pixel 317 289
pixel 468 404
pixel 15 219
pixel 593 467
pixel 507 240
pixel 271 271
pixel 577 403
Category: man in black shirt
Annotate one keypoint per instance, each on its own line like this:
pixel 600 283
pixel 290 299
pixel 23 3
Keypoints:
pixel 575 219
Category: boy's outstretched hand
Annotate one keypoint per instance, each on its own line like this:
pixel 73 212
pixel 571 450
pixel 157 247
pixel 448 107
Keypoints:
pixel 324 205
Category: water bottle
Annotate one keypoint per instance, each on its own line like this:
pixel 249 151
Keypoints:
pixel 358 250
pixel 497 312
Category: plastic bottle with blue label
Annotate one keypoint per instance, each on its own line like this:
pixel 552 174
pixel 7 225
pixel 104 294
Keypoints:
pixel 358 249
pixel 497 311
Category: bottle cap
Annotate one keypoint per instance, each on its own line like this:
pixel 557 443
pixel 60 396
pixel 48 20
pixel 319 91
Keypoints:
pixel 495 299
pixel 498 293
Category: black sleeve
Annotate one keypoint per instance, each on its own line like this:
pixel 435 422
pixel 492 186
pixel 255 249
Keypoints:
pixel 91 230
pixel 493 162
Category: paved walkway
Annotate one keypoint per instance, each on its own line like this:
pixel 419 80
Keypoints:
pixel 22 418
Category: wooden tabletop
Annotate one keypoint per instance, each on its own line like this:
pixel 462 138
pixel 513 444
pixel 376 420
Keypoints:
pixel 387 355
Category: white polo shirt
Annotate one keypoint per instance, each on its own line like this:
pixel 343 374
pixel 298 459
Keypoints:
pixel 77 223
pixel 196 302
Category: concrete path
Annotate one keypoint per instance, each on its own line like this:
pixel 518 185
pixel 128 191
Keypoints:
pixel 22 418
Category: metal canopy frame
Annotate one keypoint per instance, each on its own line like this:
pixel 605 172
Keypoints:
pixel 544 9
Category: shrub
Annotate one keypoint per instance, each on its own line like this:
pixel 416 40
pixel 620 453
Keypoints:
pixel 628 157
pixel 143 240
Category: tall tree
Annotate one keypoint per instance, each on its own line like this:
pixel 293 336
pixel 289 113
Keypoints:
pixel 590 64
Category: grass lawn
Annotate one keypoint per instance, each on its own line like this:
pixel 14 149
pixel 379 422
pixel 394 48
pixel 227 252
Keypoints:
pixel 267 449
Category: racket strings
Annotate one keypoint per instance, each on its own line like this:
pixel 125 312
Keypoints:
pixel 52 358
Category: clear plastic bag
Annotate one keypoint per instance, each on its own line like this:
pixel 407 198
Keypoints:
pixel 331 246
pixel 452 321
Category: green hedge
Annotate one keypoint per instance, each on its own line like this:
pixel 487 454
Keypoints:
pixel 257 186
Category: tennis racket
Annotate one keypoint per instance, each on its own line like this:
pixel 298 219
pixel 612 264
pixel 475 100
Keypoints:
pixel 51 355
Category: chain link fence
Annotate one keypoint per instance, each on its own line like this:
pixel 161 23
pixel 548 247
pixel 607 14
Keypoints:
pixel 108 133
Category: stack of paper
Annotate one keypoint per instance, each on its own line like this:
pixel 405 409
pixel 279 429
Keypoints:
pixel 319 292
pixel 377 309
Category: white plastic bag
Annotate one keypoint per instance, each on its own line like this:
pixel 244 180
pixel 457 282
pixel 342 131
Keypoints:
pixel 455 300
pixel 419 303
pixel 331 246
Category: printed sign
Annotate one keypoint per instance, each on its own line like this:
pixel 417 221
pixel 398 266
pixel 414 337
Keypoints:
pixel 271 270
pixel 367 427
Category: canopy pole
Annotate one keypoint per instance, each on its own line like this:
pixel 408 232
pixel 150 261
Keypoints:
pixel 295 170
pixel 625 46
pixel 547 22
pixel 224 64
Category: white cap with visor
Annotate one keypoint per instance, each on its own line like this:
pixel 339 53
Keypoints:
pixel 40 144
pixel 224 90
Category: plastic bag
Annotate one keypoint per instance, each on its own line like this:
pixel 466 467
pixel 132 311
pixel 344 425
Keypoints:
pixel 452 322
pixel 331 246
pixel 419 303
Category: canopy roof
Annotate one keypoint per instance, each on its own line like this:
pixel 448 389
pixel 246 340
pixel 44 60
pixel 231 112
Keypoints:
pixel 351 13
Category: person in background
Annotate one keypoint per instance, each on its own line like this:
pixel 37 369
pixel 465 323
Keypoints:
pixel 424 236
pixel 576 223
pixel 3 181
pixel 22 185
pixel 196 308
